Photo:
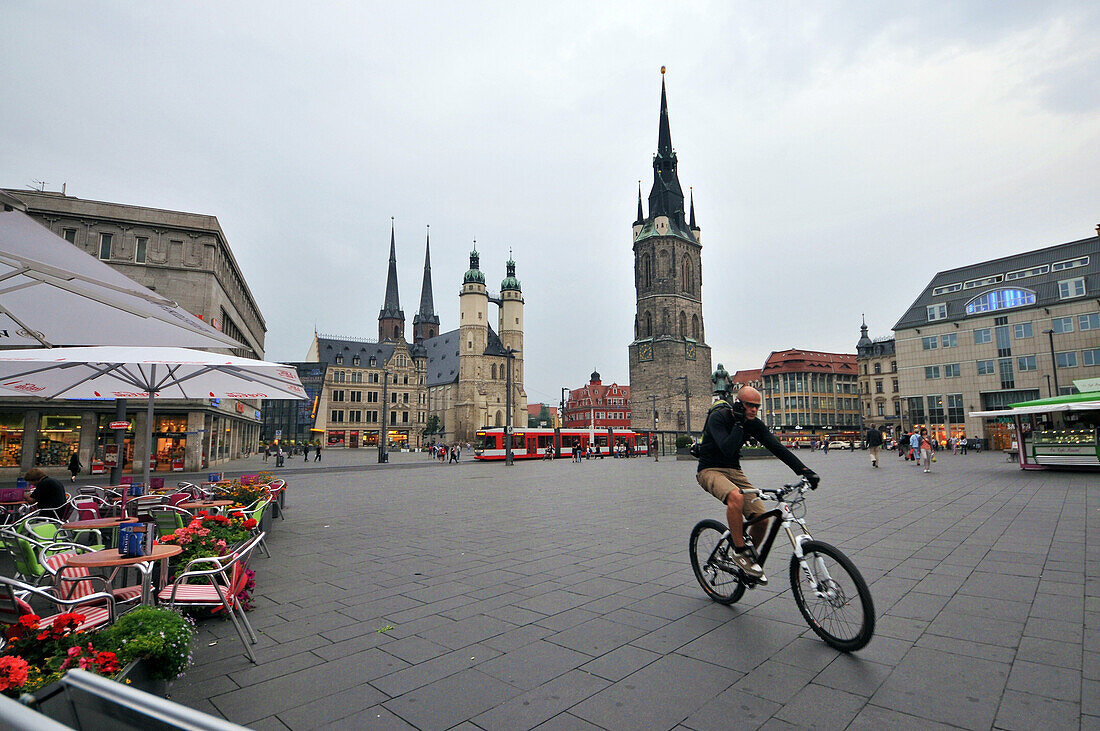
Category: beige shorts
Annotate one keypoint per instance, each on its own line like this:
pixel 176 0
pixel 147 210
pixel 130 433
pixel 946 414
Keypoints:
pixel 721 481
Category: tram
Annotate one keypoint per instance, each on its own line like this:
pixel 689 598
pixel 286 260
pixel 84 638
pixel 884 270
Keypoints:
pixel 533 443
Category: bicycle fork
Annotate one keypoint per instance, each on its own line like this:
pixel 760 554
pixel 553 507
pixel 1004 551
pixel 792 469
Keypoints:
pixel 815 571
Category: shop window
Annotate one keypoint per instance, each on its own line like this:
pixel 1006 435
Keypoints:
pixel 58 438
pixel 11 438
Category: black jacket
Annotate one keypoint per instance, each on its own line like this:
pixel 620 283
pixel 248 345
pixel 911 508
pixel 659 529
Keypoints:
pixel 874 438
pixel 725 433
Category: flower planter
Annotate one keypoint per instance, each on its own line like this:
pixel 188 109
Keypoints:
pixel 266 520
pixel 137 672
pixel 52 701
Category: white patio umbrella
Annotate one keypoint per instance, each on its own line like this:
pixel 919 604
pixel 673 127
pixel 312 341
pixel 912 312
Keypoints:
pixel 115 372
pixel 54 294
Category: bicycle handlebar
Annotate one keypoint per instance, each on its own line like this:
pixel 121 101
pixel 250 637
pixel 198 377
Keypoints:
pixel 802 485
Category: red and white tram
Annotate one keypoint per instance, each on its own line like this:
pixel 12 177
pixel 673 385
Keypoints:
pixel 533 443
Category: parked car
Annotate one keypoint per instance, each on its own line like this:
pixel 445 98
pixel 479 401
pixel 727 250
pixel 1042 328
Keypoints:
pixel 858 444
pixel 839 444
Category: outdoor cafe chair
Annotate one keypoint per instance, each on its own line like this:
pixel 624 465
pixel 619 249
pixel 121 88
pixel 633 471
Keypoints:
pixel 168 518
pixel 90 507
pixel 46 530
pixel 24 554
pixel 76 582
pixel 256 512
pixel 98 608
pixel 225 578
pixel 143 503
pixel 277 489
pixel 180 497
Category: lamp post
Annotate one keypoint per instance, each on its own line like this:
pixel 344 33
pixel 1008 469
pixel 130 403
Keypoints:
pixel 1049 392
pixel 383 455
pixel 687 401
pixel 511 354
pixel 653 442
pixel 564 392
pixel 1053 360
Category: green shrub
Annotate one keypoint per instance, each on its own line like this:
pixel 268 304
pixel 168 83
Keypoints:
pixel 683 441
pixel 162 637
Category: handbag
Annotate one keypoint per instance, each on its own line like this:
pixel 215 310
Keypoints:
pixel 933 458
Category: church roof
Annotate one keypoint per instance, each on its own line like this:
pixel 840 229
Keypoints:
pixel 427 306
pixel 328 348
pixel 442 354
pixel 666 197
pixel 391 308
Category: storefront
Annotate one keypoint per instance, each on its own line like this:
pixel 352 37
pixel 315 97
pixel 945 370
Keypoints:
pixel 105 454
pixel 336 437
pixel 58 438
pixel 397 438
pixel 11 439
pixel 1063 431
pixel 169 443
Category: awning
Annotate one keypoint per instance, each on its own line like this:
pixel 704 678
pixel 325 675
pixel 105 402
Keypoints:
pixel 1073 402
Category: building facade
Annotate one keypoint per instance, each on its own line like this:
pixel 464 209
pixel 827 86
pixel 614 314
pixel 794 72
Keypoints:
pixel 599 406
pixel 811 392
pixel 184 257
pixel 669 358
pixel 543 416
pixel 752 377
pixel 879 382
pixel 442 387
pixel 291 421
pixel 987 335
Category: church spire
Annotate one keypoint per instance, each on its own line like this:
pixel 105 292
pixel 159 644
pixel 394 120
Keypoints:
pixel 426 322
pixel 691 192
pixel 391 320
pixel 666 198
pixel 641 216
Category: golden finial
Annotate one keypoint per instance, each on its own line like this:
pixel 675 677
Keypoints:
pixel 662 71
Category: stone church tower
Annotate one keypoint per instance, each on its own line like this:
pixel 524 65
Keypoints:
pixel 669 355
pixel 482 380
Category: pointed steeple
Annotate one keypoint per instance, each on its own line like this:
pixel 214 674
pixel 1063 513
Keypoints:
pixel 641 216
pixel 691 192
pixel 391 320
pixel 864 341
pixel 426 322
pixel 666 197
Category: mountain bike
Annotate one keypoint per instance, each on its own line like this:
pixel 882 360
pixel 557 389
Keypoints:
pixel 827 586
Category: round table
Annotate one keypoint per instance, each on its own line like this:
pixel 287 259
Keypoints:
pixel 110 558
pixel 96 523
pixel 208 504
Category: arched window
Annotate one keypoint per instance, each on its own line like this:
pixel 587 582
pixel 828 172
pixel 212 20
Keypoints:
pixel 646 273
pixel 493 371
pixel 878 368
pixel 648 325
pixel 1000 299
pixel 686 279
pixel 683 324
pixel 500 419
pixel 695 328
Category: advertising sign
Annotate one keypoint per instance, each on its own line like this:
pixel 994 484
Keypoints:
pixel 110 455
pixel 119 425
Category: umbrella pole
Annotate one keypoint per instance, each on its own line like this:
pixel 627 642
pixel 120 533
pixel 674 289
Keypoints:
pixel 149 424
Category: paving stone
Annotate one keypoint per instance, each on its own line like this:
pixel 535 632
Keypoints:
pixel 1021 711
pixel 542 703
pixel 774 680
pixel 942 687
pixel 1045 680
pixel 732 710
pixel 876 718
pixel 819 707
pixel 429 671
pixel 1050 652
pixel 447 702
pixel 330 707
pixel 530 666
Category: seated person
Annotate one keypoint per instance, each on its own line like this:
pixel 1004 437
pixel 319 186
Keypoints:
pixel 48 494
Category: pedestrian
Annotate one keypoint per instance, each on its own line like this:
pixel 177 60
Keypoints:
pixel 74 466
pixel 874 441
pixel 825 445
pixel 914 445
pixel 925 450
pixel 267 451
pixel 962 443
pixel 454 454
pixel 279 455
pixel 317 452
pixel 305 451
pixel 902 444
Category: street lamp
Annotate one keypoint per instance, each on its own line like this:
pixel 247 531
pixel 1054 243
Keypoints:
pixel 511 354
pixel 383 455
pixel 1053 360
pixel 687 401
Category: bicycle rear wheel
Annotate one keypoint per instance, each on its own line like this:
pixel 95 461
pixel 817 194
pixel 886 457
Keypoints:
pixel 707 544
pixel 838 605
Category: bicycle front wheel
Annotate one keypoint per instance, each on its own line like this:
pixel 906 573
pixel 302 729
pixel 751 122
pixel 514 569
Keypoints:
pixel 834 600
pixel 707 545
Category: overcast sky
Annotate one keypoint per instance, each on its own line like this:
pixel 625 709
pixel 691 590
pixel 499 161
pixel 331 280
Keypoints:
pixel 840 153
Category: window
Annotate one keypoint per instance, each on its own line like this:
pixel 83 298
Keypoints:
pixel 951 370
pixel 1070 288
pixel 1062 324
pixel 931 372
pixel 1090 357
pixel 950 340
pixel 1000 299
pixel 878 386
pixel 337 395
pixel 937 312
pixel 893 366
pixel 878 368
pixel 984 335
pixel 141 245
pixel 355 360
pixel 1026 363
pixel 1025 273
pixel 355 416
pixel 1090 321
pixel 881 409
pixel 404 417
pixel 105 246
pixel 1067 359
pixel 947 289
pixel 339 360
pixel 1070 264
pixel 985 367
pixel 337 416
pixel 1008 378
pixel 372 397
pixel 895 385
pixel 69 234
pixel 929 343
pixel 405 398
pixel 1023 330
pixel 982 282
pixel 955 408
pixel 356 397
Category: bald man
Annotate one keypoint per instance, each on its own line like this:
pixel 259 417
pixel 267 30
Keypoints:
pixel 728 427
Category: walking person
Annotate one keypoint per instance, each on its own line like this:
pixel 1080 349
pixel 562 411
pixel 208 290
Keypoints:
pixel 305 451
pixel 962 443
pixel 317 454
pixel 874 441
pixel 914 445
pixel 267 451
pixel 74 466
pixel 925 450
pixel 279 455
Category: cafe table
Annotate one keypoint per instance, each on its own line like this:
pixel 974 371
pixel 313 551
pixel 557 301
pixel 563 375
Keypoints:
pixel 110 558
pixel 98 524
pixel 212 505
pixel 10 509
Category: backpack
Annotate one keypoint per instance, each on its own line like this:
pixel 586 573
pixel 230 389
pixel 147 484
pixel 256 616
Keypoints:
pixel 697 446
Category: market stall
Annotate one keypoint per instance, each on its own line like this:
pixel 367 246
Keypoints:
pixel 1063 431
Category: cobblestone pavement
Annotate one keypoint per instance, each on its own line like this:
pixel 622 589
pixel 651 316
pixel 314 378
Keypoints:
pixel 560 596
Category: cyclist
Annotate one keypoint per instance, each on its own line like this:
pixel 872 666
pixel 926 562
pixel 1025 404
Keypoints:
pixel 727 428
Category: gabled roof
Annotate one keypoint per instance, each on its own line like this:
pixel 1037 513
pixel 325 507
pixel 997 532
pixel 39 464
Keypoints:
pixel 328 348
pixel 442 354
pixel 746 376
pixel 802 361
pixel 957 287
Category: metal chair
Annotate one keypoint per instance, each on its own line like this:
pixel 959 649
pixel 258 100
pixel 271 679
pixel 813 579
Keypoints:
pixel 231 570
pixel 98 608
pixel 256 511
pixel 143 503
pixel 168 518
pixel 75 582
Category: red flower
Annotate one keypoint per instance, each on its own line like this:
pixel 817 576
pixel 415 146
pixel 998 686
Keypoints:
pixel 250 523
pixel 107 662
pixel 13 672
pixel 30 621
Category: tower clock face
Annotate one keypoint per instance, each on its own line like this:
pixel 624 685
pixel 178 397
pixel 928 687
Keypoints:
pixel 645 352
pixel 689 351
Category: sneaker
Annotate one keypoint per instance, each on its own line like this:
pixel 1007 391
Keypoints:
pixel 736 561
